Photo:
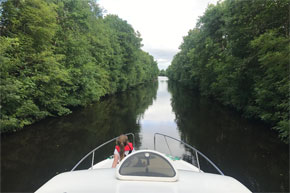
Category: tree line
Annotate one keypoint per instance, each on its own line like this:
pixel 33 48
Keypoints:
pixel 58 54
pixel 238 54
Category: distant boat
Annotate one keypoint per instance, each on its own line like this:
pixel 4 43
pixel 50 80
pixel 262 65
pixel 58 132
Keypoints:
pixel 143 171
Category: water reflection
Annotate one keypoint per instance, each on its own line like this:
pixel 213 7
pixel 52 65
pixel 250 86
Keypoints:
pixel 248 151
pixel 159 117
pixel 32 156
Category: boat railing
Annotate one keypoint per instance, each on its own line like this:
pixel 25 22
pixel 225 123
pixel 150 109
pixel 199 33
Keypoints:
pixel 197 152
pixel 94 150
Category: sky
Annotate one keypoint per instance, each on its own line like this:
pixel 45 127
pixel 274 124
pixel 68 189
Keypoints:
pixel 162 23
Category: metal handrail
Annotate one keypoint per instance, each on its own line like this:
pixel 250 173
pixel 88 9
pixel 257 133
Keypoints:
pixel 93 151
pixel 197 152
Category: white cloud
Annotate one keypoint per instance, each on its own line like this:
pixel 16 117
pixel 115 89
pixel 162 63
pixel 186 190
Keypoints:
pixel 162 23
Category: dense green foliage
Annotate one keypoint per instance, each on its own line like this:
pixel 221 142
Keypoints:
pixel 238 53
pixel 55 54
pixel 162 73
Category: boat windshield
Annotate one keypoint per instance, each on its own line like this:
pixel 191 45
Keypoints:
pixel 147 164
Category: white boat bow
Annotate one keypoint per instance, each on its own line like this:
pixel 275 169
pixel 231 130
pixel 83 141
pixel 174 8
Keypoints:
pixel 143 171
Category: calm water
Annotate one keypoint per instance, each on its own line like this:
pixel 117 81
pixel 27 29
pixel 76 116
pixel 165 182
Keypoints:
pixel 245 150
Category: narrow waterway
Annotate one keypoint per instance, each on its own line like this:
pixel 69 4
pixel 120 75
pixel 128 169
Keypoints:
pixel 246 150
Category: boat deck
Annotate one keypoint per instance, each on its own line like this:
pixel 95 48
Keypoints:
pixel 105 181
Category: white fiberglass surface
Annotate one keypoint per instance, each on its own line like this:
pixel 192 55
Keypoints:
pixel 104 181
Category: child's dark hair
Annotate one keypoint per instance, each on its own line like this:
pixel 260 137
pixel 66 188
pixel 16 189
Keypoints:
pixel 122 141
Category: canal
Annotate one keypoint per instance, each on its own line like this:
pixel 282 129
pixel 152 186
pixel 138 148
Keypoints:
pixel 246 150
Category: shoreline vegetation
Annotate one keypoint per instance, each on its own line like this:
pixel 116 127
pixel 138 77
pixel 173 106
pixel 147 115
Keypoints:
pixel 57 54
pixel 238 54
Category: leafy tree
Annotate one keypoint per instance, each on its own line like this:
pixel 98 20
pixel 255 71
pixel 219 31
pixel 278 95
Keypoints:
pixel 56 54
pixel 162 73
pixel 238 54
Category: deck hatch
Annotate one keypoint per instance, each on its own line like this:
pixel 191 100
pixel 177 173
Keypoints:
pixel 147 165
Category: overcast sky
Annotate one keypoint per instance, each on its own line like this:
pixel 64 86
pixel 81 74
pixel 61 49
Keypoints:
pixel 162 23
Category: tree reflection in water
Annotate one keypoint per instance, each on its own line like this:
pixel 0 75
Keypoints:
pixel 246 150
pixel 32 156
